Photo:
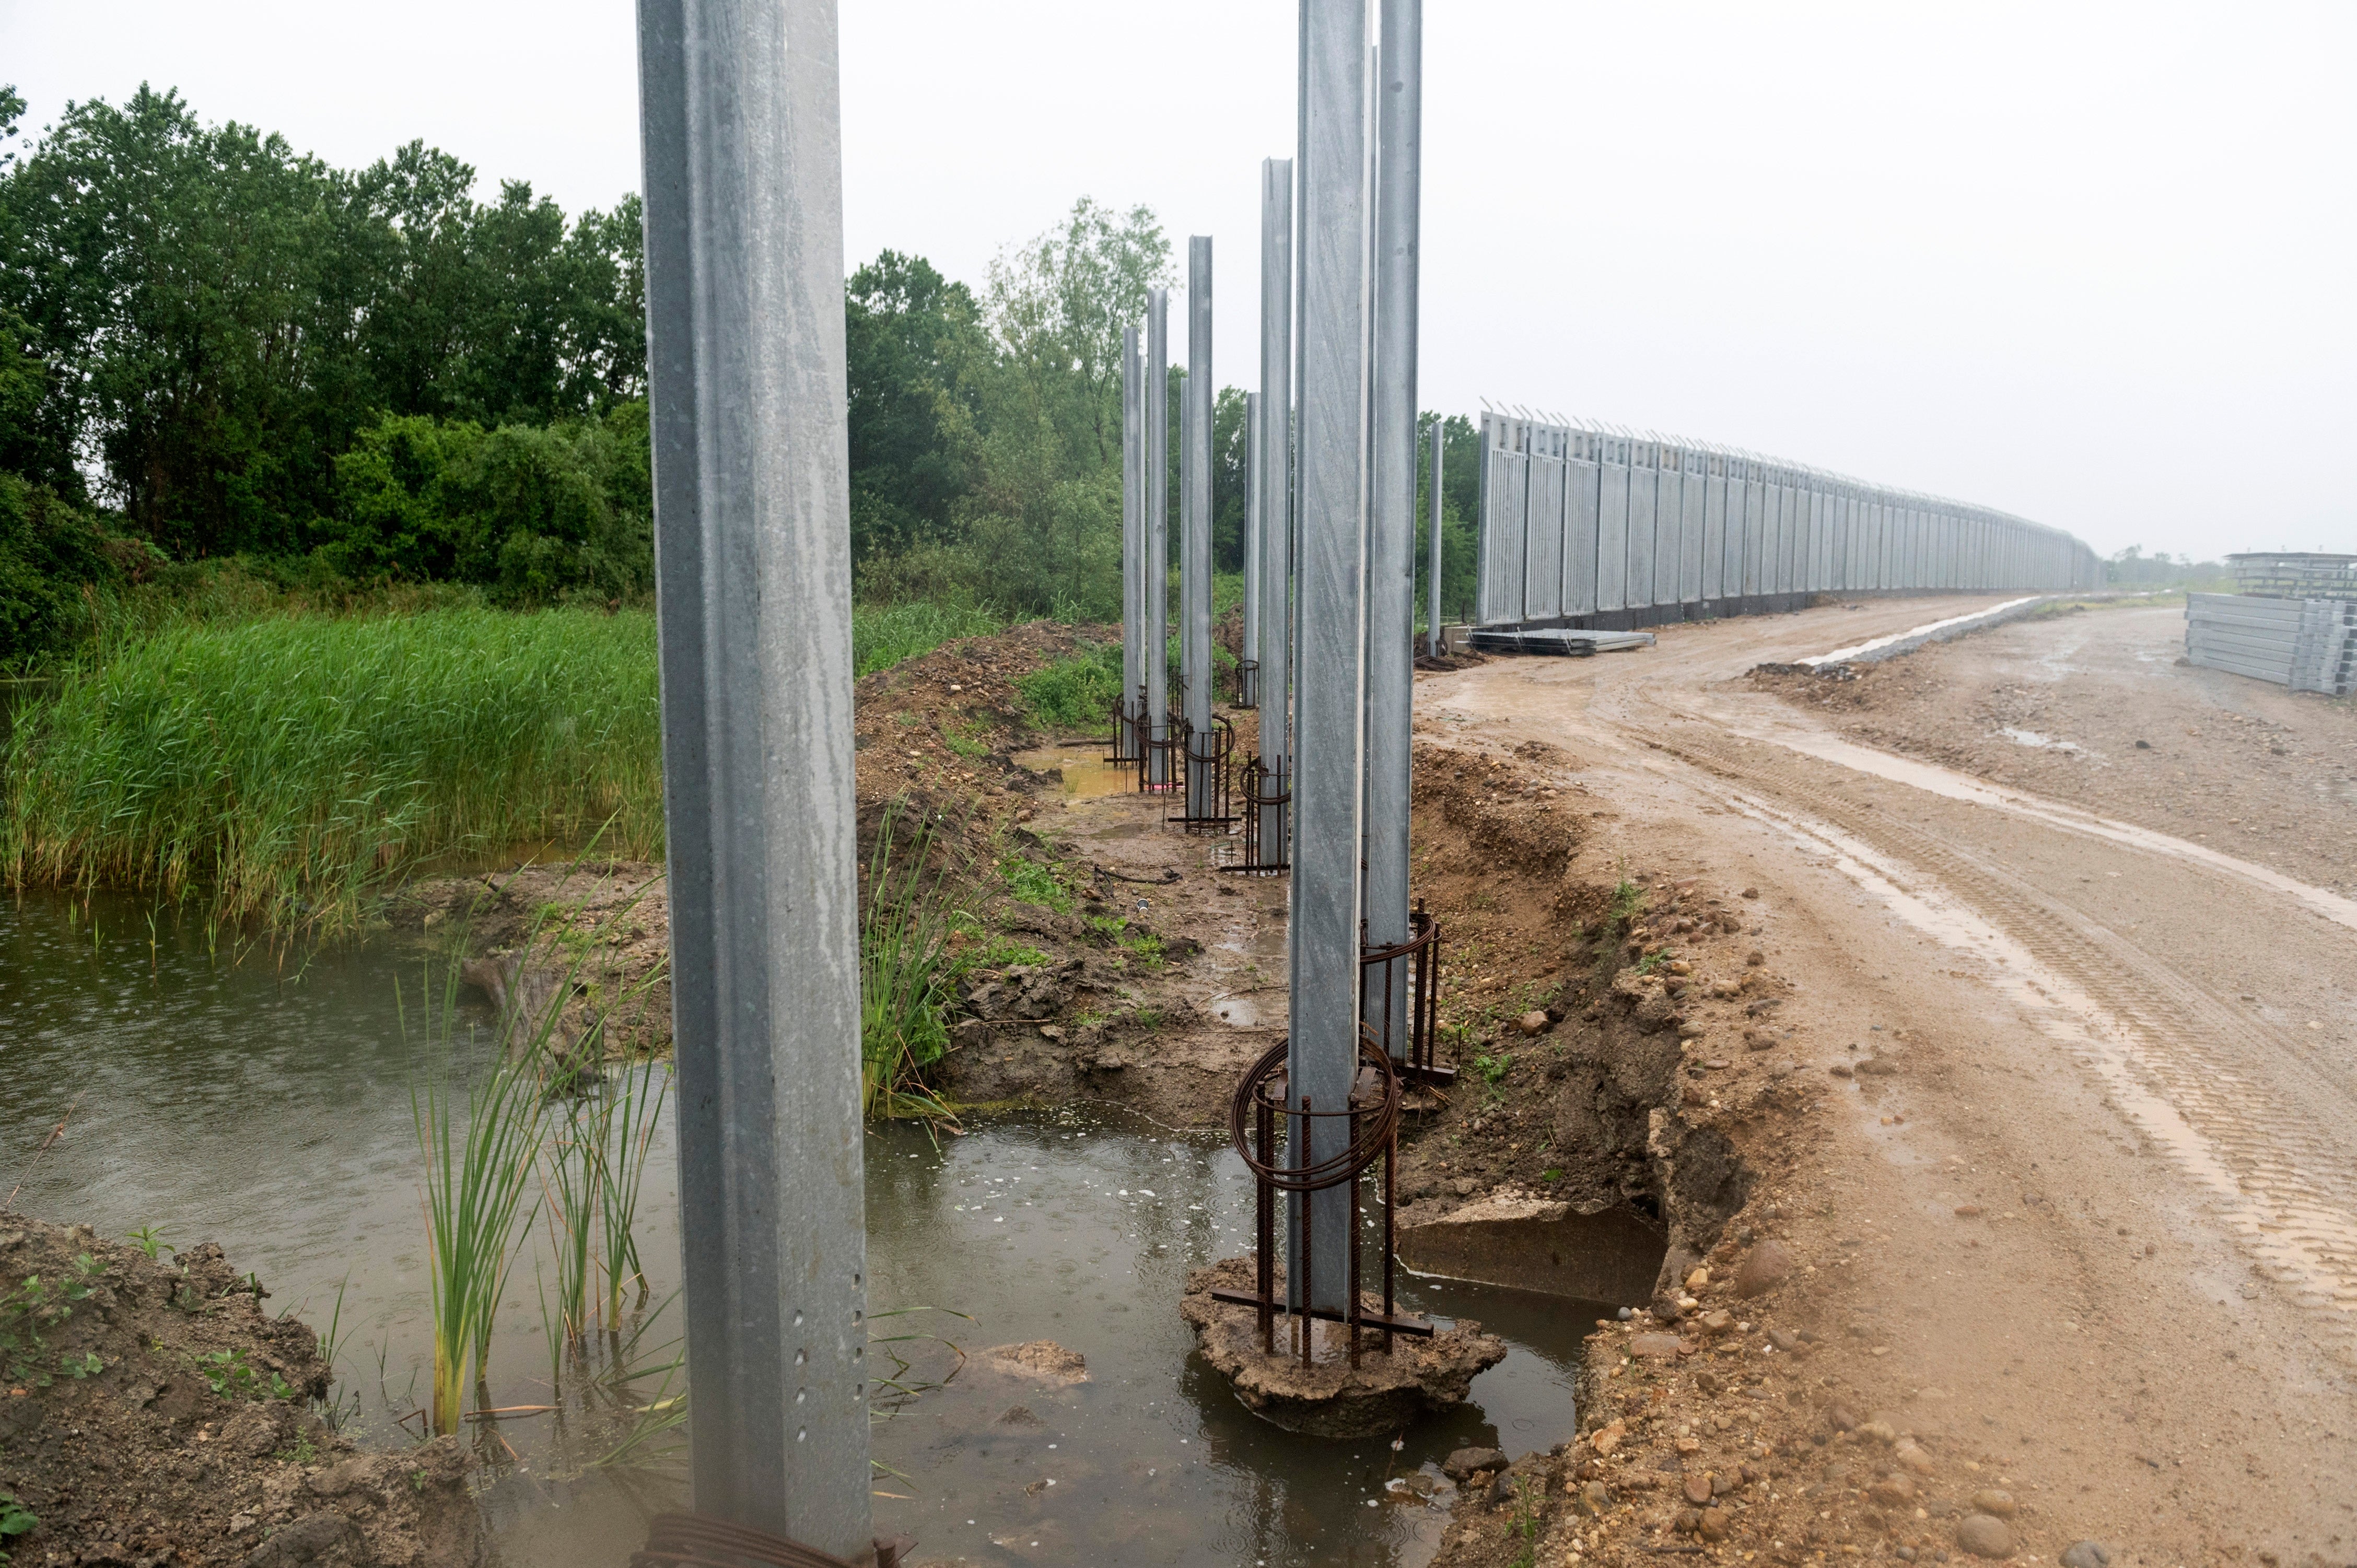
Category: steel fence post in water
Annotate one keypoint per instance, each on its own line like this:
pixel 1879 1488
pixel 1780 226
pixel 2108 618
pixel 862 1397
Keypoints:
pixel 1329 690
pixel 1391 510
pixel 1195 532
pixel 1158 530
pixel 743 174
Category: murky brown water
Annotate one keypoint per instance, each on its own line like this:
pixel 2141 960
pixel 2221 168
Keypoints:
pixel 268 1107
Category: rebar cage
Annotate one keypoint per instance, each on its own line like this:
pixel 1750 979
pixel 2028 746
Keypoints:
pixel 1125 752
pixel 1416 991
pixel 1264 797
pixel 1205 756
pixel 1162 763
pixel 1259 1118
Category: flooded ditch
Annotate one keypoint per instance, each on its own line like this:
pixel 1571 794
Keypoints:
pixel 268 1106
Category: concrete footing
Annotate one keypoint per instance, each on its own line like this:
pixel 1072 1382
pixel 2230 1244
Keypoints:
pixel 1331 1398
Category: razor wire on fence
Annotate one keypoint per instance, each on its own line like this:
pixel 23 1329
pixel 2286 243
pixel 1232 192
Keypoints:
pixel 1589 527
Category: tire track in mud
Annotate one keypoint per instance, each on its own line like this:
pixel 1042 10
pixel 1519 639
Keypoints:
pixel 2233 1103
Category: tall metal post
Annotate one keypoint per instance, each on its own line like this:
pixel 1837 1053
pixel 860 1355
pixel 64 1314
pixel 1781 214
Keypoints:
pixel 1157 528
pixel 1195 531
pixel 743 174
pixel 1246 683
pixel 1276 494
pixel 1133 529
pixel 1322 1060
pixel 1391 510
pixel 1431 585
pixel 1187 581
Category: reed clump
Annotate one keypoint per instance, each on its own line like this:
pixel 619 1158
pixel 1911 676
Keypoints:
pixel 282 767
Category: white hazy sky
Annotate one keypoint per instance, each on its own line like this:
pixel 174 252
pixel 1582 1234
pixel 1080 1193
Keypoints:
pixel 2088 263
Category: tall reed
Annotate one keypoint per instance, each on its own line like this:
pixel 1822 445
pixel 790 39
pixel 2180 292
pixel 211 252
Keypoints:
pixel 284 766
pixel 475 1182
pixel 884 635
pixel 904 973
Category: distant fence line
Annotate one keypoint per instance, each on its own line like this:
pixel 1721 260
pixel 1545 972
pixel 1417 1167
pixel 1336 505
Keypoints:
pixel 1594 528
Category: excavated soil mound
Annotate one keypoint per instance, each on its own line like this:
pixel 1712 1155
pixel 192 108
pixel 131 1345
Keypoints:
pixel 153 1413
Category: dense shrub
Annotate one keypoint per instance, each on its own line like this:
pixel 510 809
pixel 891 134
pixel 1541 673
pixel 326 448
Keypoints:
pixel 52 557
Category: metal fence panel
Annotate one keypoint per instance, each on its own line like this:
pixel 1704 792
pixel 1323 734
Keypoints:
pixel 1612 528
pixel 1690 530
pixel 1642 481
pixel 1714 527
pixel 1669 525
pixel 1579 526
pixel 1543 530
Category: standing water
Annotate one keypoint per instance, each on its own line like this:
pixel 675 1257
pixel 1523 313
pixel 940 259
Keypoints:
pixel 268 1106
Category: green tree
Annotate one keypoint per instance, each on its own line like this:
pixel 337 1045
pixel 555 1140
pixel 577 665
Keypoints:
pixel 916 348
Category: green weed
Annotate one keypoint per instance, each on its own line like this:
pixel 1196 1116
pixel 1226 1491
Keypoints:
pixel 905 970
pixel 1494 1069
pixel 1075 694
pixel 15 1519
pixel 285 765
pixel 475 1182
pixel 150 1240
pixel 1031 882
pixel 885 635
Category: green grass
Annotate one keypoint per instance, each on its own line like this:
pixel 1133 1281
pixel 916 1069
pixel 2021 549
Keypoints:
pixel 884 635
pixel 906 972
pixel 285 765
pixel 1075 694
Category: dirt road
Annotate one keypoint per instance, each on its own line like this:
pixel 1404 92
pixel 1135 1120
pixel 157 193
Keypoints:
pixel 2103 1216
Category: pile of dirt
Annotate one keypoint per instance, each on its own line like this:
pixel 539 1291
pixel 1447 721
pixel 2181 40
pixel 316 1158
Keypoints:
pixel 152 1413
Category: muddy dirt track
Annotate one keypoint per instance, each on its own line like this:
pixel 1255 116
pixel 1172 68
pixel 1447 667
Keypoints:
pixel 2109 1202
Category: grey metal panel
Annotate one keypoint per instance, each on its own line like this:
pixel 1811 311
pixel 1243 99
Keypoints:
pixel 1543 534
pixel 1755 530
pixel 1502 535
pixel 1669 525
pixel 1580 479
pixel 1788 531
pixel 1612 527
pixel 1643 483
pixel 1713 529
pixel 1690 530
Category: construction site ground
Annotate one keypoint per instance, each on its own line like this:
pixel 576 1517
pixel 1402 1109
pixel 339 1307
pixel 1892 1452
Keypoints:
pixel 2083 1235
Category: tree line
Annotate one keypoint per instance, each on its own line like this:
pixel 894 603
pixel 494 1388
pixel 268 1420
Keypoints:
pixel 213 347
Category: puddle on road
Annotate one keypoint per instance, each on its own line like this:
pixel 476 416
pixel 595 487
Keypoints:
pixel 271 1112
pixel 1086 775
pixel 2031 738
pixel 1242 1012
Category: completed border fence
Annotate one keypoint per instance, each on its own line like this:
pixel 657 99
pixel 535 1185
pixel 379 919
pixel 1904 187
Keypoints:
pixel 1603 529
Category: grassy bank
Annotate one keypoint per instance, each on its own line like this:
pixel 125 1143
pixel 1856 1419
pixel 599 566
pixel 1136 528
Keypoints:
pixel 276 760
pixel 278 767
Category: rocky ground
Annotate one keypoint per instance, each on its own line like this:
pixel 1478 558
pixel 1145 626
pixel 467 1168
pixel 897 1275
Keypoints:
pixel 153 1412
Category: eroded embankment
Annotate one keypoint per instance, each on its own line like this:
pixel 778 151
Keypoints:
pixel 154 1412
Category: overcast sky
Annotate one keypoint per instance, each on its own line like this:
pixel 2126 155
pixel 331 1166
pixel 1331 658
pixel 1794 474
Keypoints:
pixel 2095 264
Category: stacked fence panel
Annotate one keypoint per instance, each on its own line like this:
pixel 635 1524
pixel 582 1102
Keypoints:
pixel 2308 645
pixel 1599 529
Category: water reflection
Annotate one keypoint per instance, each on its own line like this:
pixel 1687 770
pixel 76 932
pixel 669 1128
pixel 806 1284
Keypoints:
pixel 268 1106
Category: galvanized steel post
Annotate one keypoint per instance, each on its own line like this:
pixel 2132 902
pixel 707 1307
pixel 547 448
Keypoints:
pixel 1132 529
pixel 1432 585
pixel 743 172
pixel 1195 532
pixel 1158 530
pixel 1276 649
pixel 1391 508
pixel 1248 685
pixel 1322 1061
